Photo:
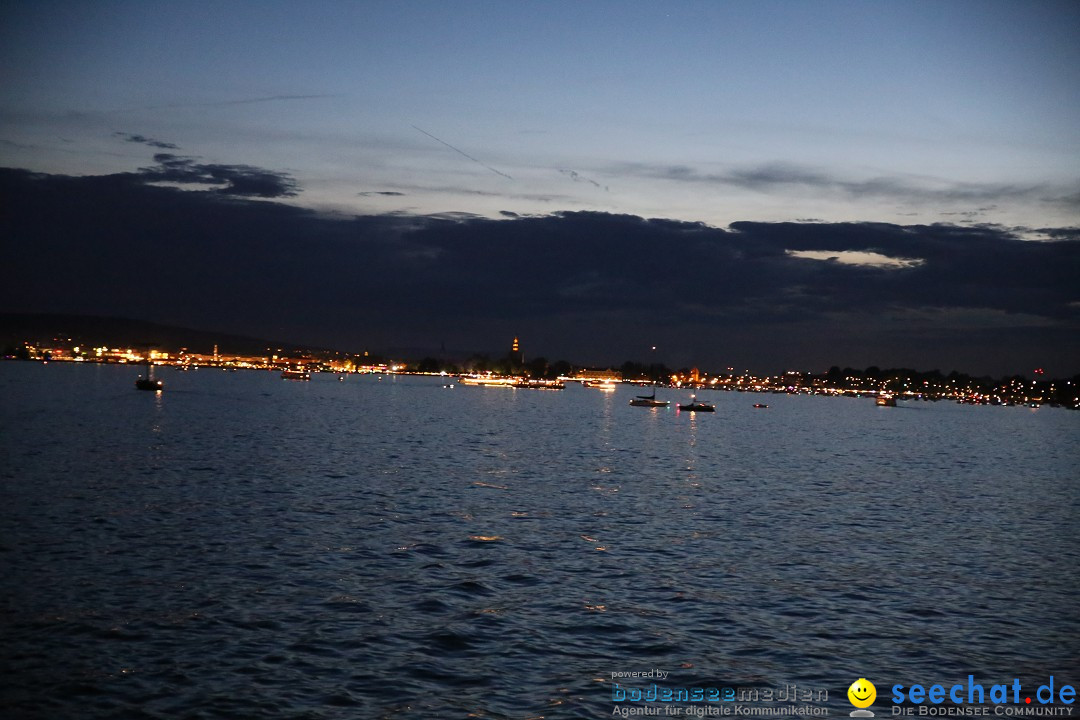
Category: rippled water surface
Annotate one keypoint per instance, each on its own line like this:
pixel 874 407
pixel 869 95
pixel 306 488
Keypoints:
pixel 242 546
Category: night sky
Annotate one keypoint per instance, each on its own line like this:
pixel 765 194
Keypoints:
pixel 763 186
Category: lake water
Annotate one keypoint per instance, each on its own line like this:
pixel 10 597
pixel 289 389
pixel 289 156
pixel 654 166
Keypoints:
pixel 246 547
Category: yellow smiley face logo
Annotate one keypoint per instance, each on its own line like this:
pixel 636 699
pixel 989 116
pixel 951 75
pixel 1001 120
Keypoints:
pixel 862 693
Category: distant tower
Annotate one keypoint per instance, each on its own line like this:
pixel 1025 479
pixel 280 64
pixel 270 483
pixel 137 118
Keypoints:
pixel 516 356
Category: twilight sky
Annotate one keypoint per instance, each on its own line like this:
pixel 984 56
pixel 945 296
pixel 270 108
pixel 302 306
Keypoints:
pixel 850 182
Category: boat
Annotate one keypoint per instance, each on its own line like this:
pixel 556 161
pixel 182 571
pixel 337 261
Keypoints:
pixel 295 374
pixel 538 384
pixel 488 380
pixel 696 406
pixel 760 405
pixel 649 400
pixel 886 400
pixel 605 385
pixel 149 382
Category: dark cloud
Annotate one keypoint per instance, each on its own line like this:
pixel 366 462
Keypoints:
pixel 1070 200
pixel 589 286
pixel 142 139
pixel 763 177
pixel 784 176
pixel 1071 233
pixel 386 193
pixel 234 180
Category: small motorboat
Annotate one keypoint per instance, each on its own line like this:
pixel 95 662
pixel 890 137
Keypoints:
pixel 295 374
pixel 760 405
pixel 696 406
pixel 886 400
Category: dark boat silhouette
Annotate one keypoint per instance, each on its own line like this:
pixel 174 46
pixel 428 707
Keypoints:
pixel 649 400
pixel 696 406
pixel 149 382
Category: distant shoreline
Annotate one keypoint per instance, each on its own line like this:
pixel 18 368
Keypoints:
pixel 892 384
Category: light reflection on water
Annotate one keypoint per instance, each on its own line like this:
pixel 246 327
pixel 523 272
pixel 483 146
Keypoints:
pixel 245 546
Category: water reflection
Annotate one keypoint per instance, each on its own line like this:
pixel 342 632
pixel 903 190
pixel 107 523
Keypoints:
pixel 502 551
